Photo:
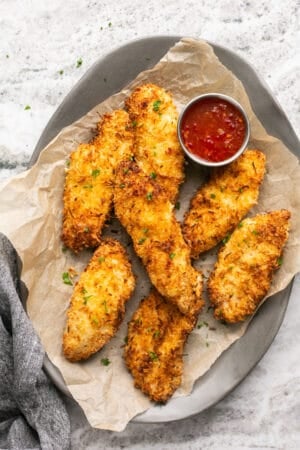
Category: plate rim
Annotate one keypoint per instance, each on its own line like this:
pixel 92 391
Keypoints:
pixel 282 296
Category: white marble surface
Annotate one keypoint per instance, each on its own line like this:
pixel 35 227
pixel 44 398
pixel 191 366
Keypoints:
pixel 40 46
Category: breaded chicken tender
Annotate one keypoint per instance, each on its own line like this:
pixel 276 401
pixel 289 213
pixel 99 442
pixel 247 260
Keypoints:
pixel 243 272
pixel 156 337
pixel 97 305
pixel 89 181
pixel 144 209
pixel 220 204
pixel 156 147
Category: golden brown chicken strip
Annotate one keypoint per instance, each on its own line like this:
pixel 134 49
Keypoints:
pixel 89 181
pixel 156 337
pixel 243 272
pixel 221 203
pixel 156 147
pixel 144 209
pixel 98 302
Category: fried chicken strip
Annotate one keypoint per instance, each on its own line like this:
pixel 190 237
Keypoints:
pixel 156 147
pixel 89 181
pixel 144 209
pixel 243 272
pixel 220 204
pixel 97 305
pixel 156 337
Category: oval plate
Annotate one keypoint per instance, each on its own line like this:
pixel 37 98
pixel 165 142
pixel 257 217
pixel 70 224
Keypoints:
pixel 108 76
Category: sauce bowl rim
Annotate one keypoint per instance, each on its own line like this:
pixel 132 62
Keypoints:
pixel 238 106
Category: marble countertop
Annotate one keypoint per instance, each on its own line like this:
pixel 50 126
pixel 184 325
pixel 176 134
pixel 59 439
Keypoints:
pixel 45 48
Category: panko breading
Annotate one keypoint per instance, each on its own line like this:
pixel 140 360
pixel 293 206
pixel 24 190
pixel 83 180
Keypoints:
pixel 156 337
pixel 243 272
pixel 144 209
pixel 156 146
pixel 98 302
pixel 89 181
pixel 221 203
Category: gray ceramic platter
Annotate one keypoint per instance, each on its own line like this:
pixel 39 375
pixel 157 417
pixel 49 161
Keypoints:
pixel 108 76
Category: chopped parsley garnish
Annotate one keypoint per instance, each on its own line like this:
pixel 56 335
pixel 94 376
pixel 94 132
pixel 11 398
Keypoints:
pixel 67 279
pixel 212 195
pixel 202 324
pixel 156 105
pixel 279 261
pixel 121 186
pixel 95 320
pixel 105 362
pixel 79 62
pixel 156 334
pixel 172 255
pixel 101 259
pixel 153 356
pixel 142 240
pixel 95 172
pixel 153 175
pixel 240 225
pixel 109 24
pixel 27 107
pixel 149 195
pixel 134 124
pixel 60 72
pixel 177 205
pixel 255 232
pixel 226 239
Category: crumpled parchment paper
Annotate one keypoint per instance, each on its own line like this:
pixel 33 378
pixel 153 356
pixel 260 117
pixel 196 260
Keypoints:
pixel 31 216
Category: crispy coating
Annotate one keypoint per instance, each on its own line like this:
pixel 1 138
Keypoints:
pixel 220 204
pixel 157 334
pixel 243 272
pixel 156 147
pixel 89 181
pixel 144 209
pixel 97 305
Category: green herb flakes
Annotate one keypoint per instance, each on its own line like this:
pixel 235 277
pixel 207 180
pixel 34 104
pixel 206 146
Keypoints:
pixel 95 173
pixel 105 362
pixel 79 62
pixel 156 105
pixel 149 196
pixel 27 107
pixel 67 279
pixel 153 356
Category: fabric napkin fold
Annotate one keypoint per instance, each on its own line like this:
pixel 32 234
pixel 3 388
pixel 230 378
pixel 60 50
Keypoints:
pixel 32 413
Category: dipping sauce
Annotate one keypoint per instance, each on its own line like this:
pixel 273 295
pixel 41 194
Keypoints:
pixel 213 129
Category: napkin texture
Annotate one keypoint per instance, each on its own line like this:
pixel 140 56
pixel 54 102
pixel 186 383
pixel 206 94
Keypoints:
pixel 32 414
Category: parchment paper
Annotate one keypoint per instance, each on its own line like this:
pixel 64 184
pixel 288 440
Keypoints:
pixel 31 215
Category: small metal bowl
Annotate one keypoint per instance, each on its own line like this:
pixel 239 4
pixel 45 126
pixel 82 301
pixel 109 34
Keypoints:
pixel 198 159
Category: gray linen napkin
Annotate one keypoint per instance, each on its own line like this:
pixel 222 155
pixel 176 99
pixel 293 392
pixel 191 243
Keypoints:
pixel 32 414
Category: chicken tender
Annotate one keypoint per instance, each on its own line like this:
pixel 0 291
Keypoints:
pixel 144 209
pixel 221 203
pixel 243 272
pixel 97 305
pixel 157 334
pixel 89 179
pixel 156 147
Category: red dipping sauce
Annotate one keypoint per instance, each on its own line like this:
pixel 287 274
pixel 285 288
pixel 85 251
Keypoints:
pixel 213 129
